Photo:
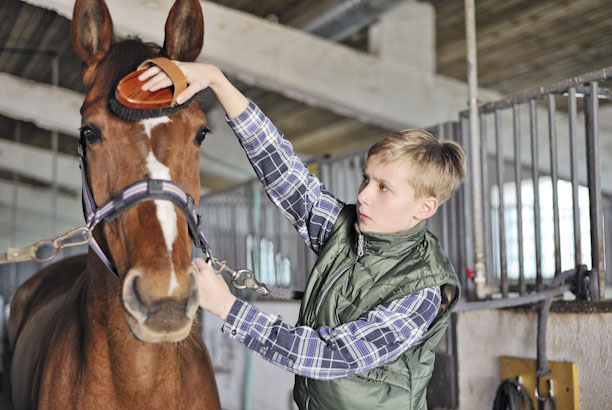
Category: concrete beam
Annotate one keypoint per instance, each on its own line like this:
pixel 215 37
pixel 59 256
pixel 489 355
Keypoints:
pixel 26 198
pixel 302 66
pixel 37 163
pixel 55 108
pixel 49 107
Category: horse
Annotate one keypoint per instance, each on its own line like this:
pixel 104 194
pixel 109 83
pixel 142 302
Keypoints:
pixel 81 337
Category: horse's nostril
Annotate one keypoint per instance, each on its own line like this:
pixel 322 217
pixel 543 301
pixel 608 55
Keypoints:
pixel 131 297
pixel 192 302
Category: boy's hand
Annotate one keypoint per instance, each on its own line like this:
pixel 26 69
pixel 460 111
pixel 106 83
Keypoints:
pixel 213 293
pixel 199 76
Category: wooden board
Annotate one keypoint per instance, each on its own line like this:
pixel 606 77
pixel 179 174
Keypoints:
pixel 564 377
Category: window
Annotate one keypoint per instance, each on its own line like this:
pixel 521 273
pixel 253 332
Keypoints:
pixel 566 227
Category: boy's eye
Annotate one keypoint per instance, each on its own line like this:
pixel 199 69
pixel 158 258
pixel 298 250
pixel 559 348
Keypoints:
pixel 382 188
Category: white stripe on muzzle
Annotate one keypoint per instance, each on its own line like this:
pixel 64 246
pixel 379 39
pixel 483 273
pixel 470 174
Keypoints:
pixel 166 214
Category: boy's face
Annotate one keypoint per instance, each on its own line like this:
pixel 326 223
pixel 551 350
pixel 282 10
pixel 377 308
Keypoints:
pixel 386 201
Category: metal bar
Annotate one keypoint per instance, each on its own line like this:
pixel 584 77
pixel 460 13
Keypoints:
pixel 512 302
pixel 357 172
pixel 324 174
pixel 591 119
pixel 554 175
pixel 54 149
pixel 444 218
pixel 486 199
pixel 539 92
pixel 458 215
pixel 11 283
pixel 466 200
pixel 535 175
pixel 472 63
pixel 349 187
pixel 501 211
pixel 574 173
pixel 519 195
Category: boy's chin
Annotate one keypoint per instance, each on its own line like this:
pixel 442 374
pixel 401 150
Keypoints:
pixel 363 227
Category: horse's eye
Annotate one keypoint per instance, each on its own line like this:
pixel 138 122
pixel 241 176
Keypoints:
pixel 90 134
pixel 200 135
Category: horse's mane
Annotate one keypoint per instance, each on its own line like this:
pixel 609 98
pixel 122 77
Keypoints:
pixel 123 58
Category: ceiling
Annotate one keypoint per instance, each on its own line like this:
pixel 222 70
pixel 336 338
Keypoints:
pixel 521 44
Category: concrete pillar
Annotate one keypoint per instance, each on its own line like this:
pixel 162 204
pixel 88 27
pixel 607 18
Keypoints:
pixel 406 35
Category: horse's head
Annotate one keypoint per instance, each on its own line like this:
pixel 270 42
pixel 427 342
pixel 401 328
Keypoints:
pixel 149 243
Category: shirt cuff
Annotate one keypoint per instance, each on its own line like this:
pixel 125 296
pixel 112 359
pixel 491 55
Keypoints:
pixel 239 320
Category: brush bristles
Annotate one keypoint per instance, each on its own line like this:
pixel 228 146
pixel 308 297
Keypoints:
pixel 133 114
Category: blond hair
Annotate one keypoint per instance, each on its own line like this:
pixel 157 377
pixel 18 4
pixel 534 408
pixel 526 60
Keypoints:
pixel 435 168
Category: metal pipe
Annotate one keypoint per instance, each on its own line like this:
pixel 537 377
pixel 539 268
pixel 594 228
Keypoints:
pixel 472 74
pixel 559 87
pixel 467 250
pixel 338 19
pixel 534 297
pixel 574 173
pixel 503 264
pixel 519 195
pixel 591 120
pixel 554 175
pixel 535 161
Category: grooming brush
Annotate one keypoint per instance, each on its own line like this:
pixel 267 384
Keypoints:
pixel 132 103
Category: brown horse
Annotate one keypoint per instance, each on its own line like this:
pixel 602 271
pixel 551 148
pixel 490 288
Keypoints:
pixel 81 337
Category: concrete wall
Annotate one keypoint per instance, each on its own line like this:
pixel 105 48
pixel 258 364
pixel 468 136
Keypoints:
pixel 582 338
pixel 482 337
pixel 271 387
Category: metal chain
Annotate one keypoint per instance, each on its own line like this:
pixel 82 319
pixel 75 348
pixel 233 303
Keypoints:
pixel 241 278
pixel 82 234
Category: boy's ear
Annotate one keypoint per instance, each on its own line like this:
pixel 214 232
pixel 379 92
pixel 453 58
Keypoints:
pixel 429 206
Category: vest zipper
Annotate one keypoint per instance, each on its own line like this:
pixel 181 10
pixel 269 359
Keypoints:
pixel 307 393
pixel 360 243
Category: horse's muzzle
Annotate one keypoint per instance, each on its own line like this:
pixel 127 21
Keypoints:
pixel 155 318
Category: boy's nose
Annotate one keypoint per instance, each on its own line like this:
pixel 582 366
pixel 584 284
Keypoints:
pixel 363 195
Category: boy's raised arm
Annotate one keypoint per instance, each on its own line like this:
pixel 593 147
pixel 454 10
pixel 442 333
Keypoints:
pixel 299 195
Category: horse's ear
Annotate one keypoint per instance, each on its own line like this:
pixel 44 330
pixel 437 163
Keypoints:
pixel 92 30
pixel 184 31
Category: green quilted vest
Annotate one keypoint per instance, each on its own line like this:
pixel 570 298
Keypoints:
pixel 354 273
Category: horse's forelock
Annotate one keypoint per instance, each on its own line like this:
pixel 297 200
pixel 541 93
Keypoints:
pixel 123 58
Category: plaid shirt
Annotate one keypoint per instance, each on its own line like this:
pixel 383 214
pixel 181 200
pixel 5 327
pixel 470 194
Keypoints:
pixel 378 336
pixel 298 194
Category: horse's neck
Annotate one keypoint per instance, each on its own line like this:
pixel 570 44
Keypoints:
pixel 117 354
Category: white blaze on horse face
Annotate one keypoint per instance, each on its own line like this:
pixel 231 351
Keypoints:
pixel 166 213
pixel 152 123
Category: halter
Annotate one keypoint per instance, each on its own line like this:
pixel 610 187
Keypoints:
pixel 151 190
pixel 140 191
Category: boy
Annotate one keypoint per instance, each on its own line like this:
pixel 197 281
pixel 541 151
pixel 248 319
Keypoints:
pixel 380 294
